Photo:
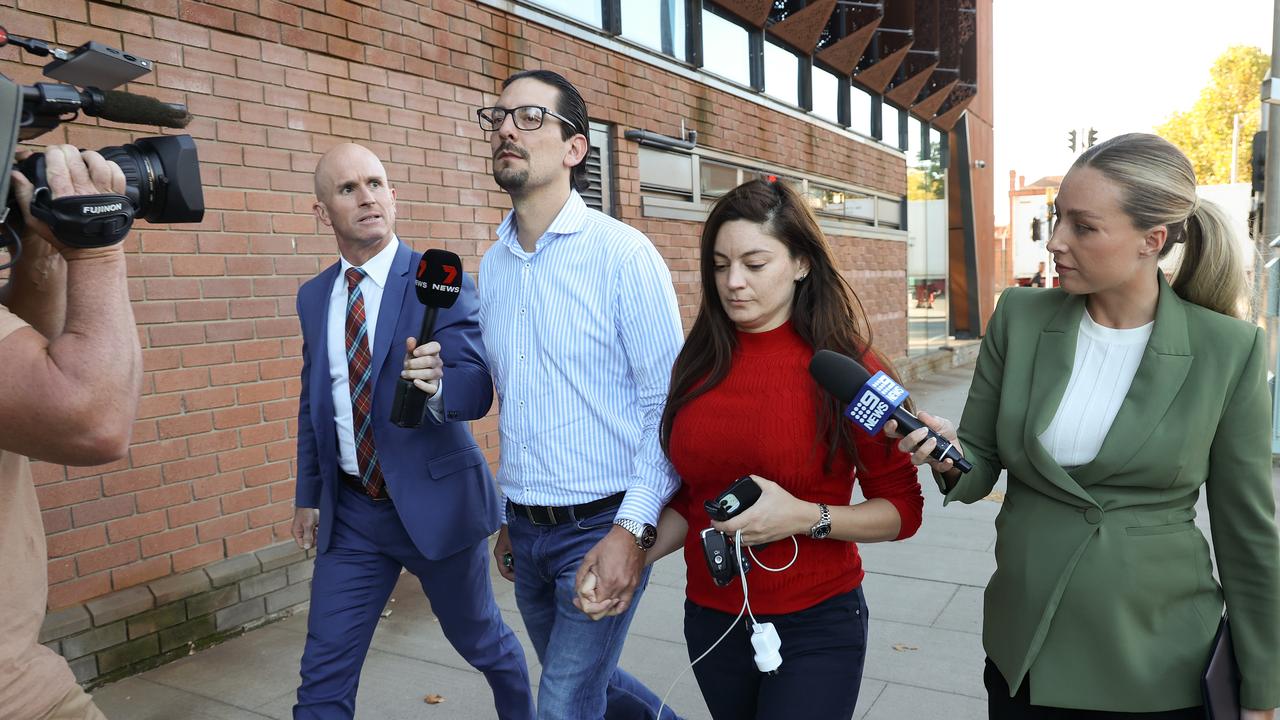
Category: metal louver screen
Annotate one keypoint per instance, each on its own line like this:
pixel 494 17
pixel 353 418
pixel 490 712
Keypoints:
pixel 597 193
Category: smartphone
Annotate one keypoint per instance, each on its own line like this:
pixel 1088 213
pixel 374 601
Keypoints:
pixel 741 495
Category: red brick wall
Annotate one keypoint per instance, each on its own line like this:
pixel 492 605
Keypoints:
pixel 274 83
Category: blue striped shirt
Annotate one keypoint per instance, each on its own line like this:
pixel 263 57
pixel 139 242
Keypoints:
pixel 581 335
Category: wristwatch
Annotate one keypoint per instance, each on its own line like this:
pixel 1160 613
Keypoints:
pixel 822 528
pixel 645 533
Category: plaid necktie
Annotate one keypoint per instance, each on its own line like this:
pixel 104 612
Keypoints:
pixel 360 377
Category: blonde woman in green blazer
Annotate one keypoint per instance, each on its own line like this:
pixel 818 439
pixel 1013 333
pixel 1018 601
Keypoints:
pixel 1111 401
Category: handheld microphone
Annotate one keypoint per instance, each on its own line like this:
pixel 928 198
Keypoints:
pixel 438 283
pixel 874 400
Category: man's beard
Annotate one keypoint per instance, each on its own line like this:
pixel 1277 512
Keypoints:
pixel 511 180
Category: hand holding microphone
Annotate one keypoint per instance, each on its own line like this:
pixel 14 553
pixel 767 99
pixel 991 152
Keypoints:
pixel 875 400
pixel 438 283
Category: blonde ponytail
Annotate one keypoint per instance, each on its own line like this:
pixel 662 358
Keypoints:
pixel 1211 273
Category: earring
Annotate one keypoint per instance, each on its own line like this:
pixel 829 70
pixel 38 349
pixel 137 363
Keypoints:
pixel 802 277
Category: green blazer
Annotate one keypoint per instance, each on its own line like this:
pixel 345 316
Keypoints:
pixel 1103 589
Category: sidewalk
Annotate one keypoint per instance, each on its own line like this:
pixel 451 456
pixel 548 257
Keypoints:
pixel 924 659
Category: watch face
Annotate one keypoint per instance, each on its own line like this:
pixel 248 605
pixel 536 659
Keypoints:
pixel 647 537
pixel 821 532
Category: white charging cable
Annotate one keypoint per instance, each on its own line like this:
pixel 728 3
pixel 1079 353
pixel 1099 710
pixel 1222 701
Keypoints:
pixel 764 637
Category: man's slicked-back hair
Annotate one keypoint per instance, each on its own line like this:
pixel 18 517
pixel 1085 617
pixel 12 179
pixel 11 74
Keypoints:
pixel 571 105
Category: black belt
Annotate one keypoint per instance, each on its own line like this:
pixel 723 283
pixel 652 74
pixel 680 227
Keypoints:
pixel 548 515
pixel 354 483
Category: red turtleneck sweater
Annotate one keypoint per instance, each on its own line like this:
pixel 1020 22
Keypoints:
pixel 761 420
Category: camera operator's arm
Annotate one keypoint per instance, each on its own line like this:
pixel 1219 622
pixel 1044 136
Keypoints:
pixel 70 396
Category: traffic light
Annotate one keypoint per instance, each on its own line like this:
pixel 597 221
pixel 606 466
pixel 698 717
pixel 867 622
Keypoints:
pixel 1035 229
pixel 1093 138
pixel 1071 140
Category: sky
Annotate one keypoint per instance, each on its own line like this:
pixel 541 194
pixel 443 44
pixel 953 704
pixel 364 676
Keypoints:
pixel 1116 65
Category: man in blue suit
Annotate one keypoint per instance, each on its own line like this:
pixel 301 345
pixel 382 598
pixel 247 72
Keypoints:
pixel 374 497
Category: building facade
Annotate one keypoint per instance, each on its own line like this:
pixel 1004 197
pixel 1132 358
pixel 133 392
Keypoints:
pixel 879 112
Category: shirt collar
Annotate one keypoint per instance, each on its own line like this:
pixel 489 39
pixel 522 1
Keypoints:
pixel 570 220
pixel 378 267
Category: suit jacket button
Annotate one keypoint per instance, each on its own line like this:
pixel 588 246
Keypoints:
pixel 1093 515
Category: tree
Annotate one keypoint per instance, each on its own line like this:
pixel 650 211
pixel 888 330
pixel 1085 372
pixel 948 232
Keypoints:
pixel 1204 131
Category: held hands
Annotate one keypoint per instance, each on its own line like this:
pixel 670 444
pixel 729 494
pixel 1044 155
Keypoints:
pixel 609 574
pixel 424 368
pixel 919 448
pixel 69 172
pixel 586 599
pixel 777 514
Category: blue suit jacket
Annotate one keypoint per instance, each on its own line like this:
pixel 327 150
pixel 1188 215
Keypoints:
pixel 435 473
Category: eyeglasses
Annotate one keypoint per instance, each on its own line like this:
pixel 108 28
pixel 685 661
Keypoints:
pixel 526 117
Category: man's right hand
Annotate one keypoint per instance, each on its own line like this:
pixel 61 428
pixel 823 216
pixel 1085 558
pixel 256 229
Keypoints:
pixel 502 555
pixel 69 172
pixel 305 522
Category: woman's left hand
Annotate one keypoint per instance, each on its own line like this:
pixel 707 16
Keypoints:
pixel 777 514
pixel 1247 714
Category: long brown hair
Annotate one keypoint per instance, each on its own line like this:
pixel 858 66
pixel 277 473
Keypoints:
pixel 825 312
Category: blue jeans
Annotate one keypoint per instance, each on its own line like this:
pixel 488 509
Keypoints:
pixel 823 650
pixel 580 675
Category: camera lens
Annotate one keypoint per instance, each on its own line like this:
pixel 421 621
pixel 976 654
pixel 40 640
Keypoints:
pixel 162 175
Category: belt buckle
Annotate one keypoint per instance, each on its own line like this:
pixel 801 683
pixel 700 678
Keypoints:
pixel 536 518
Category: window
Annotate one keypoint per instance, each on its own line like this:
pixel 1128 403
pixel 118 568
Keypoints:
pixel 826 95
pixel 663 170
pixel 717 179
pixel 587 11
pixel 725 48
pixel 781 74
pixel 599 193
pixel 859 110
pixel 663 30
pixel 891 122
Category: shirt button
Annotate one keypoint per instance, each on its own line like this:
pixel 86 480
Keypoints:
pixel 1093 516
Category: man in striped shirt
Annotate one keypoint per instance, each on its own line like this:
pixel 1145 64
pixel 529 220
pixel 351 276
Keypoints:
pixel 580 322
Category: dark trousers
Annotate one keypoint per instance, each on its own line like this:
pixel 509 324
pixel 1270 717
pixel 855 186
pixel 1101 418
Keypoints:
pixel 823 649
pixel 1002 707
pixel 352 582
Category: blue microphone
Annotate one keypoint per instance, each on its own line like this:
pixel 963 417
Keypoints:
pixel 874 400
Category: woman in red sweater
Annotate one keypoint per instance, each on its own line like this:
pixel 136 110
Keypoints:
pixel 742 402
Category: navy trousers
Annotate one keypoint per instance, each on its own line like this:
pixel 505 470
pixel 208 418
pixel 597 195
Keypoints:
pixel 352 582
pixel 823 650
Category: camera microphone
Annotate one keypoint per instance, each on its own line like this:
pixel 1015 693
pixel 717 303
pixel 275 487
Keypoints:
pixel 874 400
pixel 125 107
pixel 114 105
pixel 438 283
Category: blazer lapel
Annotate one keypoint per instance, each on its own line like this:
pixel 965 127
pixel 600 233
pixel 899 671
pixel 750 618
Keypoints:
pixel 1051 370
pixel 1164 367
pixel 393 297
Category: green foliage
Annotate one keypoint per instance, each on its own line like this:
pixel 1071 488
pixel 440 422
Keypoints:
pixel 1204 131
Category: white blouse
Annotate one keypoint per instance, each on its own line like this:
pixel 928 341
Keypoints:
pixel 1105 363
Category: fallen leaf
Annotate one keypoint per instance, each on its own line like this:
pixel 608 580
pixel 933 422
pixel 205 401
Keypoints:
pixel 433 699
pixel 996 496
pixel 902 647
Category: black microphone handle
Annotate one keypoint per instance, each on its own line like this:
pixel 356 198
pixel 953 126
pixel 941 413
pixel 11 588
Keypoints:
pixel 944 450
pixel 410 405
